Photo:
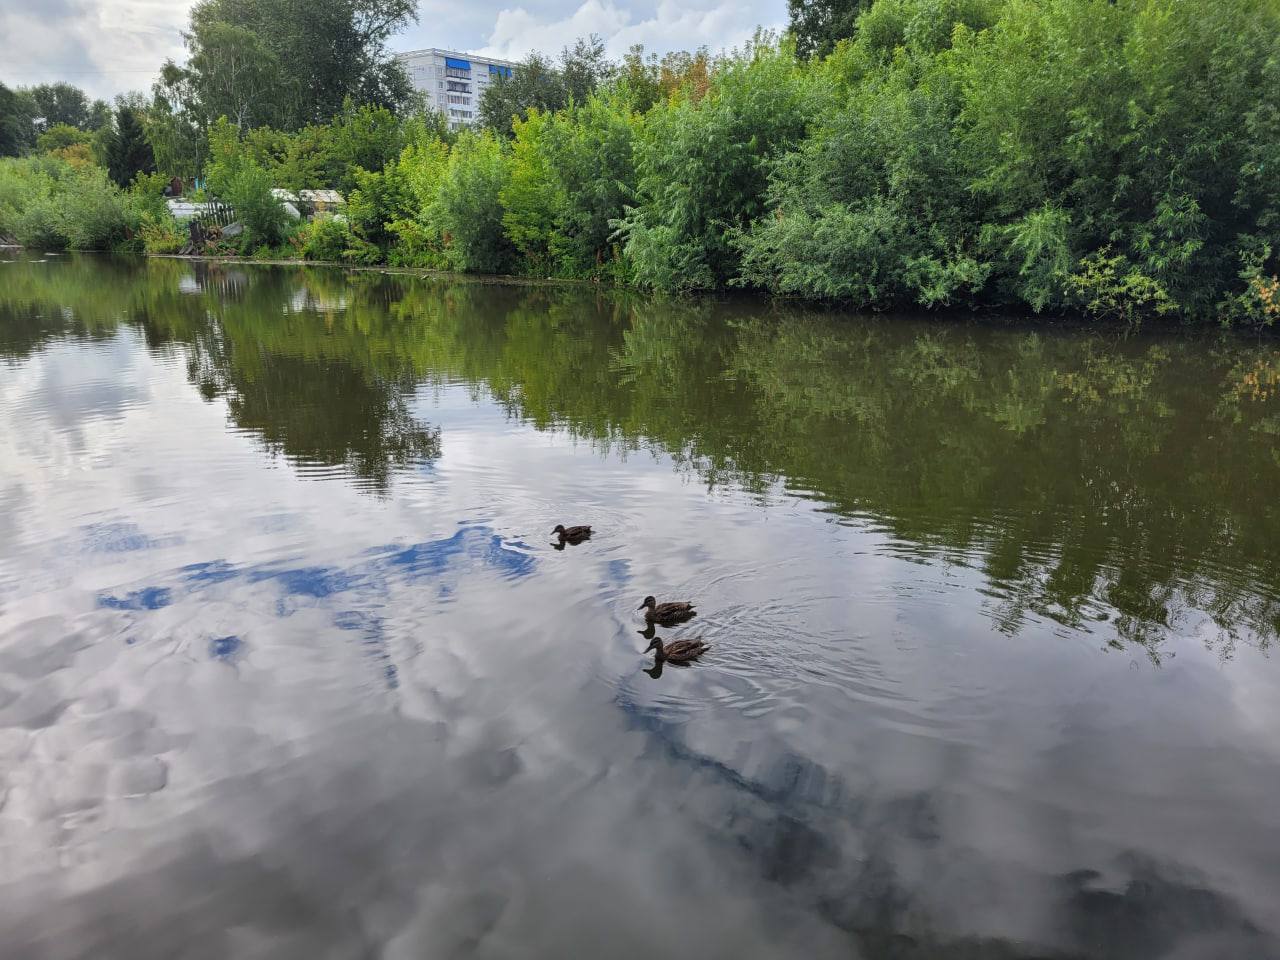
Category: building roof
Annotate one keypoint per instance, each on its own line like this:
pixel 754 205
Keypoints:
pixel 455 54
pixel 186 209
pixel 321 196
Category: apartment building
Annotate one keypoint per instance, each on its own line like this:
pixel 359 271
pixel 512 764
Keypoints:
pixel 453 82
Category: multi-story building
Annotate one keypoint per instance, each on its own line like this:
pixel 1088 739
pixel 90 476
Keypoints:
pixel 453 82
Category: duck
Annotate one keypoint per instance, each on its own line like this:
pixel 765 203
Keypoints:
pixel 678 652
pixel 667 614
pixel 574 535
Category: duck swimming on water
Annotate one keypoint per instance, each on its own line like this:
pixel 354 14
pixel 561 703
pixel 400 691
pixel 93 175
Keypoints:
pixel 679 652
pixel 667 614
pixel 573 535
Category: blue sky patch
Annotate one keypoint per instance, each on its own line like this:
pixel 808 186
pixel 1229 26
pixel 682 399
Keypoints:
pixel 148 598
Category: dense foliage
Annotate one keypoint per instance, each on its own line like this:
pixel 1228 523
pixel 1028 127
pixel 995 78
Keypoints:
pixel 50 204
pixel 1115 160
pixel 1065 154
pixel 701 166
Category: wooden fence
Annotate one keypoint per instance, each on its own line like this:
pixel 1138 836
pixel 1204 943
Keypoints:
pixel 216 214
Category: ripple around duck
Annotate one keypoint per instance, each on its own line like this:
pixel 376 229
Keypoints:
pixel 769 656
pixel 757 672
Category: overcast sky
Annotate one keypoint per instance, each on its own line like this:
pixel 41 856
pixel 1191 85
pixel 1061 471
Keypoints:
pixel 111 46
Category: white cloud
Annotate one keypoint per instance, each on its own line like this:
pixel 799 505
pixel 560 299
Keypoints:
pixel 105 47
pixel 669 26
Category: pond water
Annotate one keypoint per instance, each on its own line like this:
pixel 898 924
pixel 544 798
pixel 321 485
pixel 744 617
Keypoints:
pixel 290 667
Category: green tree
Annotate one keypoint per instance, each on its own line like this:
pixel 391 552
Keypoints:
pixel 818 25
pixel 1142 123
pixel 533 85
pixel 294 62
pixel 584 67
pixel 380 198
pixel 420 240
pixel 596 169
pixel 571 175
pixel 17 122
pixel 538 83
pixel 63 103
pixel 178 127
pixel 636 79
pixel 127 151
pixel 60 136
pixel 49 204
pixel 531 199
pixel 467 208
pixel 235 177
pixel 362 137
pixel 234 72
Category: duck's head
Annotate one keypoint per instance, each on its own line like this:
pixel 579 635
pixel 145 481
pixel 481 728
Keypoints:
pixel 649 602
pixel 654 644
pixel 559 528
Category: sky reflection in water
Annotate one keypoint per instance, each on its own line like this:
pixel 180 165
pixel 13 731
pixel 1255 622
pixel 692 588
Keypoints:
pixel 289 667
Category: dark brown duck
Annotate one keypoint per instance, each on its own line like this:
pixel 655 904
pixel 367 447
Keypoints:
pixel 667 614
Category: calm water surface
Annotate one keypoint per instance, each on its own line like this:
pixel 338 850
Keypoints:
pixel 290 669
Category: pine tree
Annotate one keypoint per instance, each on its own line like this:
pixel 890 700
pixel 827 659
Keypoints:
pixel 128 152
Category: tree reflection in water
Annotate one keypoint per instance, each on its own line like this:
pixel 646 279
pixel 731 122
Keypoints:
pixel 1087 477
